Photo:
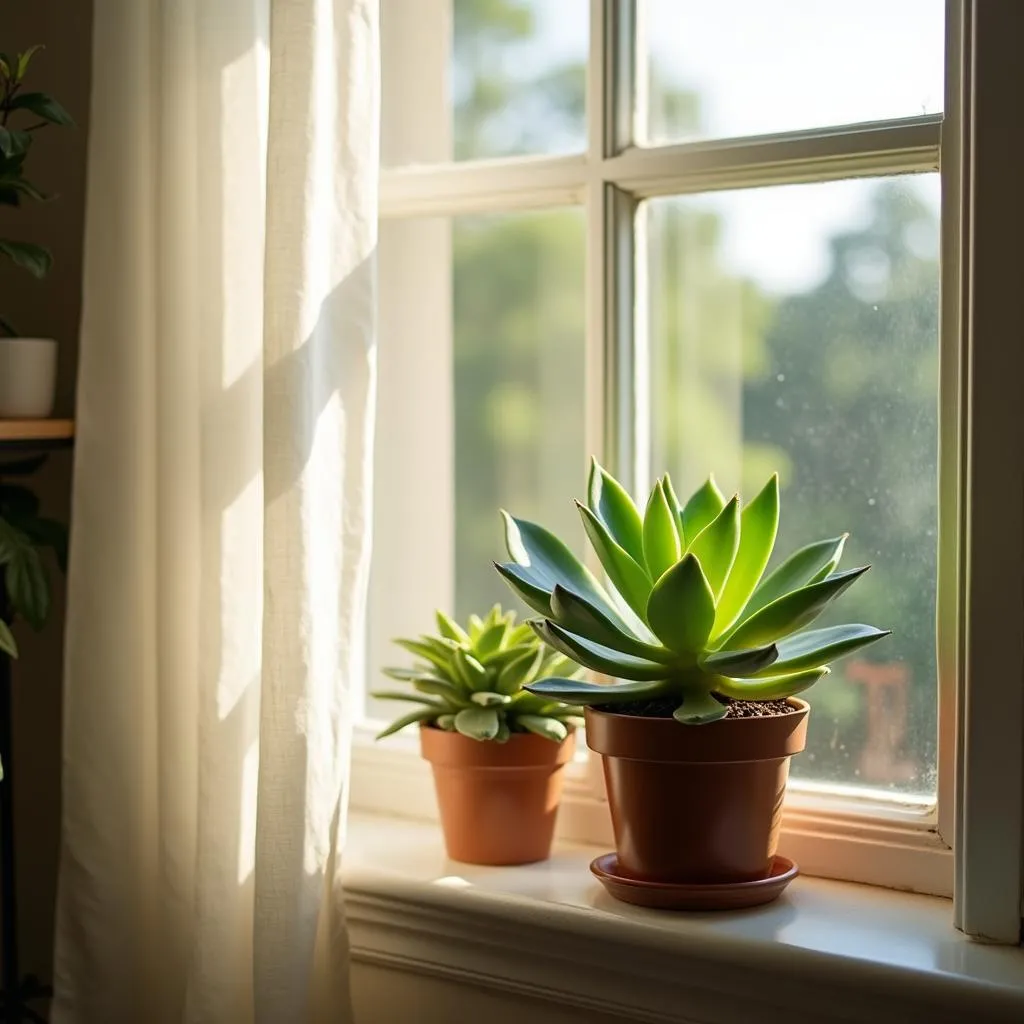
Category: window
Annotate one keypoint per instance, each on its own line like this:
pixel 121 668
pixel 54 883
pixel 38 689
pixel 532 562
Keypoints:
pixel 625 227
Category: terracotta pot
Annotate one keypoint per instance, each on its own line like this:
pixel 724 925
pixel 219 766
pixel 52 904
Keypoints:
pixel 498 801
pixel 696 803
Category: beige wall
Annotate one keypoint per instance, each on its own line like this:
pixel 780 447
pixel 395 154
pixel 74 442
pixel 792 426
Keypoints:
pixel 48 308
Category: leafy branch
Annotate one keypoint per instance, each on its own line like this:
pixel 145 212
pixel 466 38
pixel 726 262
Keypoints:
pixel 22 115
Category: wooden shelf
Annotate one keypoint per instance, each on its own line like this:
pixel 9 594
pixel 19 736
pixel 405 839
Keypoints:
pixel 36 433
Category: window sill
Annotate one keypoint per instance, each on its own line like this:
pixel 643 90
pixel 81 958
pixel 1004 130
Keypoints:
pixel 826 951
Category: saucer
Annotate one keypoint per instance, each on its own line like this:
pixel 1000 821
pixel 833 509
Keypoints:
pixel 688 896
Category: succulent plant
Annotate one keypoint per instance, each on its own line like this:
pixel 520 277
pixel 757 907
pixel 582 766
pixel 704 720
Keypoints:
pixel 471 680
pixel 688 612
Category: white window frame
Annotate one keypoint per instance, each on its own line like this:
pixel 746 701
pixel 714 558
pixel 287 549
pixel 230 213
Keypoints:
pixel 892 842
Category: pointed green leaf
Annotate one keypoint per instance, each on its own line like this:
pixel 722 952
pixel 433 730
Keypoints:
pixel 531 545
pixel 796 571
pixel 611 503
pixel 478 723
pixel 716 545
pixel 430 653
pixel 24 59
pixel 704 504
pixel 681 610
pixel 411 697
pixel 596 656
pixel 470 671
pixel 33 258
pixel 699 709
pixel 550 728
pixel 819 647
pixel 773 688
pixel 759 524
pixel 7 642
pixel 557 664
pixel 527 584
pixel 582 618
pixel 661 535
pixel 419 715
pixel 449 628
pixel 741 663
pixel 42 106
pixel 676 507
pixel 489 641
pixel 791 612
pixel 411 675
pixel 519 670
pixel 28 587
pixel 579 691
pixel 628 577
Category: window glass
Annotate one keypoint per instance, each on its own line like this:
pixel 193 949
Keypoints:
pixel 753 67
pixel 796 329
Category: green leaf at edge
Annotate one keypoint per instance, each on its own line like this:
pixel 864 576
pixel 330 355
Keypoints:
pixel 681 609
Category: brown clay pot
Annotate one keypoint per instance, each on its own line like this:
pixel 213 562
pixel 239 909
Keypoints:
pixel 696 803
pixel 498 801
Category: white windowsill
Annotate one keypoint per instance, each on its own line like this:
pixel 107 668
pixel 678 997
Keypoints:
pixel 825 951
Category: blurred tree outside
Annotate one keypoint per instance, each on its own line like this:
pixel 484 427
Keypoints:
pixel 835 386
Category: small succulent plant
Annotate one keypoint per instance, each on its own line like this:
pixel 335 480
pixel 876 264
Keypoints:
pixel 688 613
pixel 471 680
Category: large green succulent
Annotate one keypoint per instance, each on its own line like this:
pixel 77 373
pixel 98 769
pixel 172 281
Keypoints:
pixel 471 680
pixel 688 612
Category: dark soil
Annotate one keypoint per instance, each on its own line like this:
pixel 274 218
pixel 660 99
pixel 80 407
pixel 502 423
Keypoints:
pixel 664 706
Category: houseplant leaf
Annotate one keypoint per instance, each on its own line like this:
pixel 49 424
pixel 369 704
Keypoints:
pixel 42 106
pixel 33 258
pixel 478 723
pixel 716 545
pixel 797 570
pixel 579 691
pixel 628 577
pixel 704 504
pixel 790 612
pixel 681 610
pixel 773 688
pixel 661 534
pixel 583 619
pixel 759 525
pixel 543 725
pixel 596 656
pixel 610 502
pixel 819 647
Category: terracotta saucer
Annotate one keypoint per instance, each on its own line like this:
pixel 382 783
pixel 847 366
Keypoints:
pixel 682 896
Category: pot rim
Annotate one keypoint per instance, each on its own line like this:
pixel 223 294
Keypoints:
pixel 520 752
pixel 797 704
pixel 727 741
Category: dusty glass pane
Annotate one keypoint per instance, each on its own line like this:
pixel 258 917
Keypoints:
pixel 517 285
pixel 796 329
pixel 753 67
pixel 501 78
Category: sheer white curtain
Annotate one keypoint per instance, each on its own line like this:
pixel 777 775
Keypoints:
pixel 221 511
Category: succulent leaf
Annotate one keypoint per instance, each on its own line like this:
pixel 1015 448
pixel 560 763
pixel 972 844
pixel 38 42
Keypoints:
pixel 759 524
pixel 661 534
pixel 478 723
pixel 818 647
pixel 612 505
pixel 699 708
pixel 628 577
pixel 681 610
pixel 790 612
pixel 702 507
pixel 773 687
pixel 580 617
pixel 716 545
pixel 809 564
pixel 581 692
pixel 543 725
pixel 596 656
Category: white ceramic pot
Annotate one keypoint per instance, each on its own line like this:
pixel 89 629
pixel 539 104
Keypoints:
pixel 28 377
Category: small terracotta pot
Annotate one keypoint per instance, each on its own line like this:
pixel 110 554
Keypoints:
pixel 696 803
pixel 498 801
